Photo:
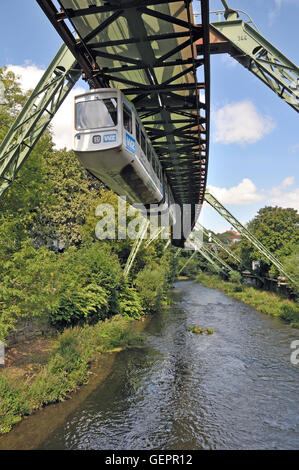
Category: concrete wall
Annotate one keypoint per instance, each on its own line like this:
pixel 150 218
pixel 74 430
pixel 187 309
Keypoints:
pixel 27 330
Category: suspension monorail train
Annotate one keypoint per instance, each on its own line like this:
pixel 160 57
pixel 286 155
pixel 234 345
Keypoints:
pixel 111 143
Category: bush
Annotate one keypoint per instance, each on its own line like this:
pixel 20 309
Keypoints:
pixel 290 315
pixel 12 405
pixel 150 283
pixel 131 303
pixel 88 303
pixel 235 277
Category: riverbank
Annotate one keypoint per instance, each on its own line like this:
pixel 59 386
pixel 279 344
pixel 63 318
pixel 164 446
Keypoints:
pixel 56 367
pixel 263 301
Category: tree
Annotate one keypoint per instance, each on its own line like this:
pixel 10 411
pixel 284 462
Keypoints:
pixel 277 229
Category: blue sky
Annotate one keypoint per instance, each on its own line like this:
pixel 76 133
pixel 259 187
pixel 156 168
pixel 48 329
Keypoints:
pixel 245 173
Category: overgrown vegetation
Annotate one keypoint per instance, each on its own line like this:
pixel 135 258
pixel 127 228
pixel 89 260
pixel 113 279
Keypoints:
pixel 52 266
pixel 66 369
pixel 266 302
pixel 199 331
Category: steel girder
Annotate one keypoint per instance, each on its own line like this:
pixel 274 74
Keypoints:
pixel 135 248
pixel 49 94
pixel 146 48
pixel 207 248
pixel 199 248
pixel 215 239
pixel 247 45
pixel 245 233
pixel 188 261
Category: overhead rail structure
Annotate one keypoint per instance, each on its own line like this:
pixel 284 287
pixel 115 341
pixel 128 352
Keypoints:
pixel 245 233
pixel 242 40
pixel 146 48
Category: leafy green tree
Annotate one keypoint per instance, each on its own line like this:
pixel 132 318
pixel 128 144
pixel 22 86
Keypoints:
pixel 277 229
pixel 291 264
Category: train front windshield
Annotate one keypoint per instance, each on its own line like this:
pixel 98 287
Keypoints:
pixel 95 114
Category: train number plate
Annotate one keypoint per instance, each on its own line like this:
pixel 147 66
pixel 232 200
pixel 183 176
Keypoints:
pixel 96 139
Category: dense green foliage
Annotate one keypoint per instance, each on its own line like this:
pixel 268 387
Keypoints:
pixel 52 266
pixel 277 229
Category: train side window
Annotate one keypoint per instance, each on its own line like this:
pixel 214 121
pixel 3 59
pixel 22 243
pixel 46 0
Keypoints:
pixel 143 142
pixel 137 132
pixel 148 151
pixel 127 115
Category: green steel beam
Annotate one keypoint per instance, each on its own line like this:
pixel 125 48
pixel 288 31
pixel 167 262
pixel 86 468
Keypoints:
pixel 188 261
pixel 257 54
pixel 216 240
pixel 167 245
pixel 45 100
pixel 204 248
pixel 214 255
pixel 198 247
pixel 244 232
pixel 136 246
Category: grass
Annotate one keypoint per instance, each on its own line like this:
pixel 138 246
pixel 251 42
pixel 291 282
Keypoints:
pixel 263 301
pixel 200 331
pixel 66 369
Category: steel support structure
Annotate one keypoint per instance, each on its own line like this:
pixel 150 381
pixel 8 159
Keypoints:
pixel 188 261
pixel 246 44
pixel 147 49
pixel 214 239
pixel 49 94
pixel 207 249
pixel 136 246
pixel 245 233
pixel 206 255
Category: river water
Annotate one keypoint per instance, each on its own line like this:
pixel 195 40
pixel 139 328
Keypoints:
pixel 235 389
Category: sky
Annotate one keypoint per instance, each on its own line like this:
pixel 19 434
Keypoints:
pixel 254 144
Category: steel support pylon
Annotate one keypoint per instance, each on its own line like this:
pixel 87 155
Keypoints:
pixel 244 232
pixel 136 246
pixel 45 100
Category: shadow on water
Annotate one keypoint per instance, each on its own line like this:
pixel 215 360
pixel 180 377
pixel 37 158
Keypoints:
pixel 234 389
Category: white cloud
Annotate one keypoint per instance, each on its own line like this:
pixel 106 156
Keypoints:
pixel 294 148
pixel 243 194
pixel 63 121
pixel 240 123
pixel 278 195
pixel 286 199
pixel 289 181
pixel 246 193
pixel 29 75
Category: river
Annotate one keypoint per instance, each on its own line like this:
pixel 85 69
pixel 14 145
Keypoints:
pixel 235 389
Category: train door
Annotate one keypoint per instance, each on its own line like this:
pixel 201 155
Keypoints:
pixel 129 129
